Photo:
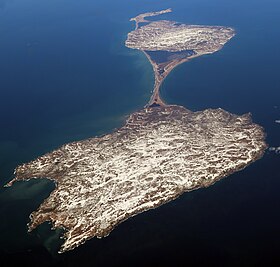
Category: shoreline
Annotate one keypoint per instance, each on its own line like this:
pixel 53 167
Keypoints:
pixel 163 187
pixel 161 152
pixel 155 98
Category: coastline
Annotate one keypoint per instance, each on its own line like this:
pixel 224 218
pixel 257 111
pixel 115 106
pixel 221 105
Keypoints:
pixel 156 97
pixel 154 121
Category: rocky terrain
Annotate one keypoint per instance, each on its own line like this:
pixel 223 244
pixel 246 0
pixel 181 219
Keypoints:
pixel 161 152
pixel 170 36
pixel 157 155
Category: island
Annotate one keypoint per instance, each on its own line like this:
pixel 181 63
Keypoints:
pixel 159 153
pixel 168 44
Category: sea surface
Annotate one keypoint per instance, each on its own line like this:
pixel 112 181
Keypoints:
pixel 66 75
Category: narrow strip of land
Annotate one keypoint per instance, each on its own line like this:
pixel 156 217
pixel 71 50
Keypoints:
pixel 141 17
pixel 161 71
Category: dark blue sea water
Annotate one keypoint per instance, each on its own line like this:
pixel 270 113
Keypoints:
pixel 66 75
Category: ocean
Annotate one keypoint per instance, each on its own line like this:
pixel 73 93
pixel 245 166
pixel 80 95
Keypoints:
pixel 66 75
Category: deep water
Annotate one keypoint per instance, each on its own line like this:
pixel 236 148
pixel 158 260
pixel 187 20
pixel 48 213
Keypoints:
pixel 66 75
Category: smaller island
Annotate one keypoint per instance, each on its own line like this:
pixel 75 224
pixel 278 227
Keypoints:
pixel 168 44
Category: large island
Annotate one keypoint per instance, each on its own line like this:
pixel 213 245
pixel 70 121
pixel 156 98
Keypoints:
pixel 161 152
